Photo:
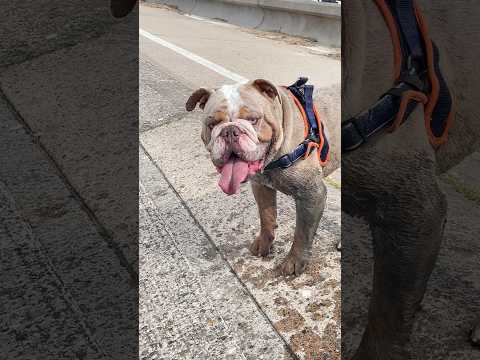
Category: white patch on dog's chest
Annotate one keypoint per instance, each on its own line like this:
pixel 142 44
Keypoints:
pixel 234 100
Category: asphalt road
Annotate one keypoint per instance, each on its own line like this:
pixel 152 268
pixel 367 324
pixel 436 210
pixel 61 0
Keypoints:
pixel 202 295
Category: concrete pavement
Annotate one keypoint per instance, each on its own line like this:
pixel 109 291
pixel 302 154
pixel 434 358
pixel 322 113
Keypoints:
pixel 68 286
pixel 202 294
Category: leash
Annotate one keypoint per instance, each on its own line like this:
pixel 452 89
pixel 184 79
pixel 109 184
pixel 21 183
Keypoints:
pixel 418 79
pixel 314 132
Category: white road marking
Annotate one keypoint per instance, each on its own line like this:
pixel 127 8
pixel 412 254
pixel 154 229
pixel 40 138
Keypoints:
pixel 219 23
pixel 195 17
pixel 212 66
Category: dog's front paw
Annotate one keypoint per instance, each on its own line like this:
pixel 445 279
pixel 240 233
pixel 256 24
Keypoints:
pixel 293 264
pixel 262 245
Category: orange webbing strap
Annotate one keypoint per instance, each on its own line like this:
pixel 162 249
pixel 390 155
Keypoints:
pixel 407 96
pixel 302 111
pixel 394 35
pixel 322 139
pixel 429 101
pixel 311 144
pixel 435 87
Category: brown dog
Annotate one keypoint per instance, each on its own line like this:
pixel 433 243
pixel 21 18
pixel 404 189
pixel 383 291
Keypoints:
pixel 247 126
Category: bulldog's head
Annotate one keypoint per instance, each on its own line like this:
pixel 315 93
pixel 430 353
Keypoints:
pixel 241 123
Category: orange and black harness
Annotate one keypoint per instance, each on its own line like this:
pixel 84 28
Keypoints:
pixel 314 133
pixel 417 80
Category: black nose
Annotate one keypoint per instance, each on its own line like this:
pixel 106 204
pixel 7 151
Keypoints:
pixel 230 132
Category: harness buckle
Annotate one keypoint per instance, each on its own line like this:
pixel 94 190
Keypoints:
pixel 313 137
pixel 302 80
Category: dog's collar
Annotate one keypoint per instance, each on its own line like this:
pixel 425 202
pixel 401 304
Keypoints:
pixel 417 80
pixel 314 133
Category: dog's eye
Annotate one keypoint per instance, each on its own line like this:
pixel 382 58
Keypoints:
pixel 253 120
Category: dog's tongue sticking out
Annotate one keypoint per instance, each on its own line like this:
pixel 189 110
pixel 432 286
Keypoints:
pixel 234 172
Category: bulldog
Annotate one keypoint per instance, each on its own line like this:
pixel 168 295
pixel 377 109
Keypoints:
pixel 248 125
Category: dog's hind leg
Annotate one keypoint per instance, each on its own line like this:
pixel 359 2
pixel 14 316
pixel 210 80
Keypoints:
pixel 407 228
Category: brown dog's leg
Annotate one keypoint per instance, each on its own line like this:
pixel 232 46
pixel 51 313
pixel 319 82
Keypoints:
pixel 407 230
pixel 309 209
pixel 266 199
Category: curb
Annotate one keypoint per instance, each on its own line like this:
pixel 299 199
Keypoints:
pixel 306 7
pixel 320 22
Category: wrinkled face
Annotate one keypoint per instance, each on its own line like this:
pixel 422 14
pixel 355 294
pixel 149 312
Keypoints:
pixel 237 129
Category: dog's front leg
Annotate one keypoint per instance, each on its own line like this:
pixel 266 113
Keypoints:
pixel 309 203
pixel 407 230
pixel 266 199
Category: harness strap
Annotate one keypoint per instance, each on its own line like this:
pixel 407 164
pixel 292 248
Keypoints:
pixel 314 131
pixel 357 130
pixel 410 38
pixel 418 79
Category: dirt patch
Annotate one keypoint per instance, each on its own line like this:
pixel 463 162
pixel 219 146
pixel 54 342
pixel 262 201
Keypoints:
pixel 238 266
pixel 337 312
pixel 259 276
pixel 280 301
pixel 292 320
pixel 318 310
pixel 314 269
pixel 331 284
pixel 315 347
pixel 277 36
pixel 311 277
pixel 310 344
pixel 331 342
pixel 311 44
pixel 162 6
pixel 297 284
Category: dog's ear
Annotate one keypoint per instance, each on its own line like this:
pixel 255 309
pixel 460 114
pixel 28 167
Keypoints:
pixel 200 97
pixel 266 87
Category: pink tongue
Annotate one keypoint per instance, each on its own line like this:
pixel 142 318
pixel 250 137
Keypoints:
pixel 234 172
